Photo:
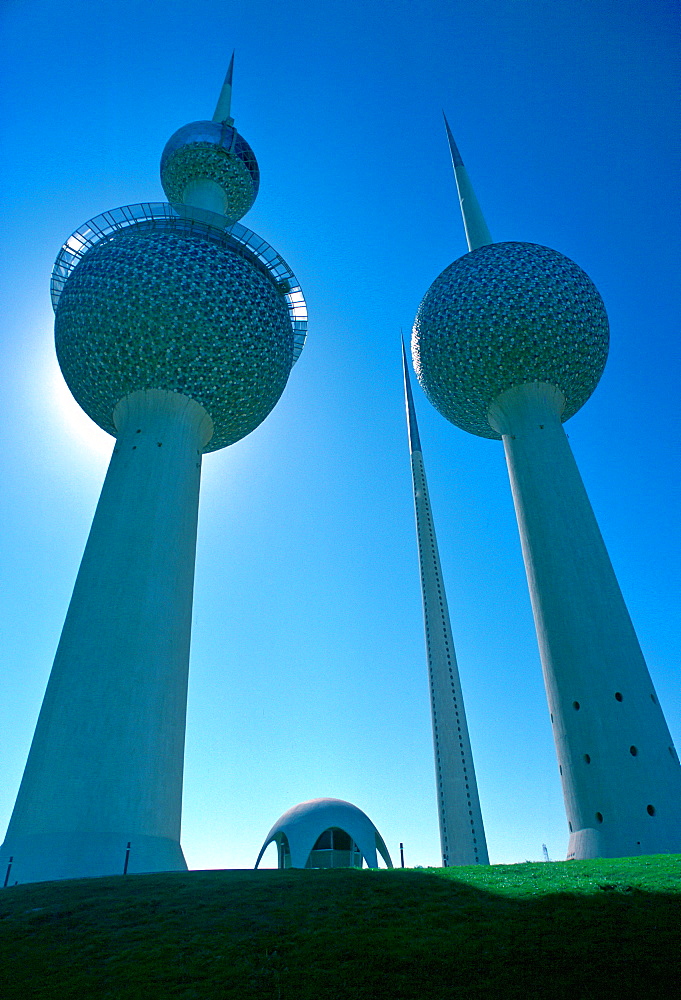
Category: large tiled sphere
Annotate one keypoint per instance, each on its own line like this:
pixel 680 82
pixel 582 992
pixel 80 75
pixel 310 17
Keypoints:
pixel 504 315
pixel 155 308
pixel 216 152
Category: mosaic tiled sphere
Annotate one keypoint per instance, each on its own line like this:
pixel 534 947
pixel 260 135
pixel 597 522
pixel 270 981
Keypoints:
pixel 216 152
pixel 505 315
pixel 154 308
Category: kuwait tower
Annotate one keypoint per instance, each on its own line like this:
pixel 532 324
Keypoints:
pixel 176 329
pixel 508 343
pixel 462 835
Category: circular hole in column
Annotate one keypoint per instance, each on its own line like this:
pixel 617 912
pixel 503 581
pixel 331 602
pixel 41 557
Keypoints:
pixel 599 817
pixel 650 810
pixel 575 705
pixel 587 758
pixel 633 751
pixel 618 695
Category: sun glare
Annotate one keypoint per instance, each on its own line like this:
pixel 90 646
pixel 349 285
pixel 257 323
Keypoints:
pixel 64 411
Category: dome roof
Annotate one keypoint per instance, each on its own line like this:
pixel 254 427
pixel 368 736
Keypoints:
pixel 303 823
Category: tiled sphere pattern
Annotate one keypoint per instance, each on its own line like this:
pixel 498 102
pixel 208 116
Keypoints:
pixel 504 315
pixel 207 161
pixel 154 309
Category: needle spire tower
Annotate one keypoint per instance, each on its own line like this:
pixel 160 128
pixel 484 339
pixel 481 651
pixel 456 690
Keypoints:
pixel 462 835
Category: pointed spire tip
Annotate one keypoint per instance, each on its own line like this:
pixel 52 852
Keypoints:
pixel 223 107
pixel 477 233
pixel 453 148
pixel 412 426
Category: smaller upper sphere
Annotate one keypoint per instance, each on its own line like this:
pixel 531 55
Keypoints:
pixel 214 152
pixel 504 315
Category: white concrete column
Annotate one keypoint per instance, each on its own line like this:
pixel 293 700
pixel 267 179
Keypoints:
pixel 103 780
pixel 620 772
pixel 205 194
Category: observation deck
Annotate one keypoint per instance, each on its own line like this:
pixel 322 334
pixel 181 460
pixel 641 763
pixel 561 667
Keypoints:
pixel 193 221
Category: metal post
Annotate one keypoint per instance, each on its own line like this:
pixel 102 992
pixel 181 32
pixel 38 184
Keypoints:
pixel 127 858
pixel 9 867
pixel 401 855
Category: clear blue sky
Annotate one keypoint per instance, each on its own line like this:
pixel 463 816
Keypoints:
pixel 308 674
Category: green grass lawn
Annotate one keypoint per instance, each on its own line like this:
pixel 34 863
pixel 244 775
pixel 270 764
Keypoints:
pixel 579 930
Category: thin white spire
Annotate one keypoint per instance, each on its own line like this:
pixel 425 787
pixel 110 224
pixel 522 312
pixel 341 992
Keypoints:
pixel 412 426
pixel 224 105
pixel 477 233
pixel 462 835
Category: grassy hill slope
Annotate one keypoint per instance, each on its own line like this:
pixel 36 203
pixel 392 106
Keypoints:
pixel 577 930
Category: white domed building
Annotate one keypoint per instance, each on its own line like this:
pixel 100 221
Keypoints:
pixel 326 833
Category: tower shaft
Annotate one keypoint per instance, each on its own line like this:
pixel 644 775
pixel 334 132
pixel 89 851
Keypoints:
pixel 620 773
pixel 462 834
pixel 105 769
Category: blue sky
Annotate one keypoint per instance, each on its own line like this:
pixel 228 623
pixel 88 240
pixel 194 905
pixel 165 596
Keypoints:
pixel 308 674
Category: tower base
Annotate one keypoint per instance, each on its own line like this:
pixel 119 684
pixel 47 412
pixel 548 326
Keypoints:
pixel 584 844
pixel 49 857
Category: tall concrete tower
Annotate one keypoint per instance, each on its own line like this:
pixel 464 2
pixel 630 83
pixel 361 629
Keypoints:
pixel 176 329
pixel 462 835
pixel 508 343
